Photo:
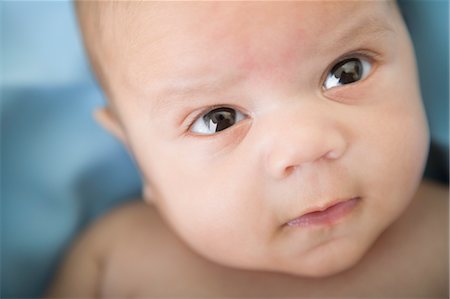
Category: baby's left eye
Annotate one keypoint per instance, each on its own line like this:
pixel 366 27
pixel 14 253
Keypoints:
pixel 347 71
pixel 216 120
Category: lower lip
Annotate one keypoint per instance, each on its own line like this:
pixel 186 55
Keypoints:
pixel 327 217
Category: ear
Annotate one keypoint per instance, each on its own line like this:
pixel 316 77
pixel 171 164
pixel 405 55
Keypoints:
pixel 105 117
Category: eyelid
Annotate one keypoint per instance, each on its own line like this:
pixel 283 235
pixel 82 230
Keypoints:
pixel 190 119
pixel 371 56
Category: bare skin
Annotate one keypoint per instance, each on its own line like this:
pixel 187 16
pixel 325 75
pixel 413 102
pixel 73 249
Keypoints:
pixel 409 259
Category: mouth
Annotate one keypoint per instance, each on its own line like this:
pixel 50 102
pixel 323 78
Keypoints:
pixel 327 215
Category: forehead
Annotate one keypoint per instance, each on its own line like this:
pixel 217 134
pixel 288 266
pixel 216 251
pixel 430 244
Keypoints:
pixel 175 39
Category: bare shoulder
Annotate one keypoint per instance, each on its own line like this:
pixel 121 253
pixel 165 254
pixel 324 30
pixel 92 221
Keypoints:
pixel 427 218
pixel 432 201
pixel 116 223
pixel 434 189
pixel 426 226
pixel 428 210
pixel 82 269
pixel 131 225
pixel 432 204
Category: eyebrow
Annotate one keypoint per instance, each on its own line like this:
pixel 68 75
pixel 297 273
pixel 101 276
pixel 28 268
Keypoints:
pixel 176 91
pixel 362 28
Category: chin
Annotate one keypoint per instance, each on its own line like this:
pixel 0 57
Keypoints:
pixel 322 272
pixel 325 264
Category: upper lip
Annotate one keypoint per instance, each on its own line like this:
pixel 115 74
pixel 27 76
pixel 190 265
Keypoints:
pixel 323 207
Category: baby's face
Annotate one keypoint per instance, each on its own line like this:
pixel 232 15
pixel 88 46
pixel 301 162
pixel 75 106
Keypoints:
pixel 245 116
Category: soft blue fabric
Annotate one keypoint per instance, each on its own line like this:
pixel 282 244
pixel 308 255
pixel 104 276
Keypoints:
pixel 60 170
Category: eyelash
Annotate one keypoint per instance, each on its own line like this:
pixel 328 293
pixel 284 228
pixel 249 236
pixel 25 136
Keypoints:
pixel 191 120
pixel 371 56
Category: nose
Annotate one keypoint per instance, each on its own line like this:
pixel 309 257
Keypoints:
pixel 298 140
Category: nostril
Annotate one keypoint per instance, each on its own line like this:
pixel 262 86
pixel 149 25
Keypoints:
pixel 289 170
pixel 284 157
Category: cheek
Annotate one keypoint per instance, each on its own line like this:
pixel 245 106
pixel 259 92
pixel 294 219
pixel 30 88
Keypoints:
pixel 395 136
pixel 194 193
pixel 398 145
pixel 211 204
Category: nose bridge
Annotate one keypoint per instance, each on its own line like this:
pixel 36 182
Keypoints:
pixel 299 135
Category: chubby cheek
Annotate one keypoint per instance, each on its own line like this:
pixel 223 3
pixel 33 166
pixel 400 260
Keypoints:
pixel 397 138
pixel 202 201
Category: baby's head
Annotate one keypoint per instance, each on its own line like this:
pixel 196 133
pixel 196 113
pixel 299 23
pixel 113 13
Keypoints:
pixel 244 116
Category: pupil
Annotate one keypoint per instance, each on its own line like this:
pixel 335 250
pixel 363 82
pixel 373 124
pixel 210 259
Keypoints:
pixel 219 119
pixel 348 71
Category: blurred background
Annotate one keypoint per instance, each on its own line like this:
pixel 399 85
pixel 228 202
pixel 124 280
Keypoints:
pixel 59 169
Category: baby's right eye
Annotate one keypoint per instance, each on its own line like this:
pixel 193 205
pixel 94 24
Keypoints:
pixel 216 120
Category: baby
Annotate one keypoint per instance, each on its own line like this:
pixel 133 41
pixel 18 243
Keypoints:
pixel 281 147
